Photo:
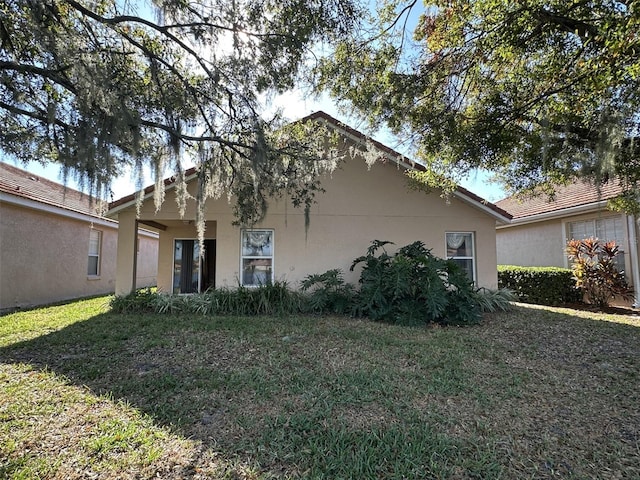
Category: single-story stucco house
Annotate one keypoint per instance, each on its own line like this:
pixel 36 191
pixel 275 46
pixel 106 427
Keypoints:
pixel 55 247
pixel 360 204
pixel 540 228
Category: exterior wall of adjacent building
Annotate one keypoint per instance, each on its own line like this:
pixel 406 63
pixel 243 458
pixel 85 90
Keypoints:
pixel 147 261
pixel 539 244
pixel 44 255
pixel 360 204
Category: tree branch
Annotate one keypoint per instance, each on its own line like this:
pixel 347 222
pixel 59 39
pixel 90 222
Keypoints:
pixel 43 72
pixel 570 25
pixel 40 116
pixel 129 18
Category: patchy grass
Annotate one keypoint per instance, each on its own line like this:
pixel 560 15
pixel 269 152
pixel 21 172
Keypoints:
pixel 535 393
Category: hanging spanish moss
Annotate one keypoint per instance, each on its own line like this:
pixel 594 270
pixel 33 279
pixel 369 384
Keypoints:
pixel 103 87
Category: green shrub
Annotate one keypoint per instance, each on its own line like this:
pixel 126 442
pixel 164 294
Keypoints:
pixel 539 285
pixel 499 300
pixel 328 293
pixel 169 303
pixel 269 299
pixel 139 301
pixel 414 286
pixel 275 299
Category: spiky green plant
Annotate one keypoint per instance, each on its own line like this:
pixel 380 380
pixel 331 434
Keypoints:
pixel 595 271
pixel 499 300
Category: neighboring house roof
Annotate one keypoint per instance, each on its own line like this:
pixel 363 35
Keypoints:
pixel 570 199
pixel 20 183
pixel 463 194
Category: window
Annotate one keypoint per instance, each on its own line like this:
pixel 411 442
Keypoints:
pixel 604 229
pixel 460 249
pixel 256 264
pixel 95 239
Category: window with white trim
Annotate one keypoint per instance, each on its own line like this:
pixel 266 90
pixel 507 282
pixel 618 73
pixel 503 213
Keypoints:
pixel 256 257
pixel 95 241
pixel 605 229
pixel 461 249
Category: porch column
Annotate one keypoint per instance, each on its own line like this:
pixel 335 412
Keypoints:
pixel 127 253
pixel 633 258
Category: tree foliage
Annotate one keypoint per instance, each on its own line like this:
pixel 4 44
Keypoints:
pixel 98 85
pixel 328 293
pixel 538 91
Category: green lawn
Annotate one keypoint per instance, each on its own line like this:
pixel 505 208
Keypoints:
pixel 535 393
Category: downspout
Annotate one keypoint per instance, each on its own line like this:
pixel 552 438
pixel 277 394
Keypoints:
pixel 633 257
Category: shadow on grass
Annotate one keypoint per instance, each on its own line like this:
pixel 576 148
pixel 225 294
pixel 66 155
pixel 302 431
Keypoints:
pixel 340 398
pixel 282 393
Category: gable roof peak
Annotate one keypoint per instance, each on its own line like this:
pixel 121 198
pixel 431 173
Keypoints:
pixel 463 194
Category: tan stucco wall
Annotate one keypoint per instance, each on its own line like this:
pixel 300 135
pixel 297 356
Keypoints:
pixel 538 244
pixel 359 205
pixel 147 266
pixel 43 258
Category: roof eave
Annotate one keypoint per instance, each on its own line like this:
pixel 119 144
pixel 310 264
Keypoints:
pixel 466 196
pixel 128 201
pixel 358 137
pixel 555 214
pixel 399 159
pixel 56 209
pixel 502 218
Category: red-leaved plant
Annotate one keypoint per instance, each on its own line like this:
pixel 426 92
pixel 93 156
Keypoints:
pixel 595 271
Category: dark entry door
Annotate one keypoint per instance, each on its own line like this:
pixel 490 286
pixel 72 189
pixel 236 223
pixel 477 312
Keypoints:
pixel 191 272
pixel 208 278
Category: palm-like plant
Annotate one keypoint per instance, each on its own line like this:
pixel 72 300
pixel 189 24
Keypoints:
pixel 595 270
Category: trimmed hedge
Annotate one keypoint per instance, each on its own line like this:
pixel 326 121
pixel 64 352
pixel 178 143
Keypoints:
pixel 540 285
